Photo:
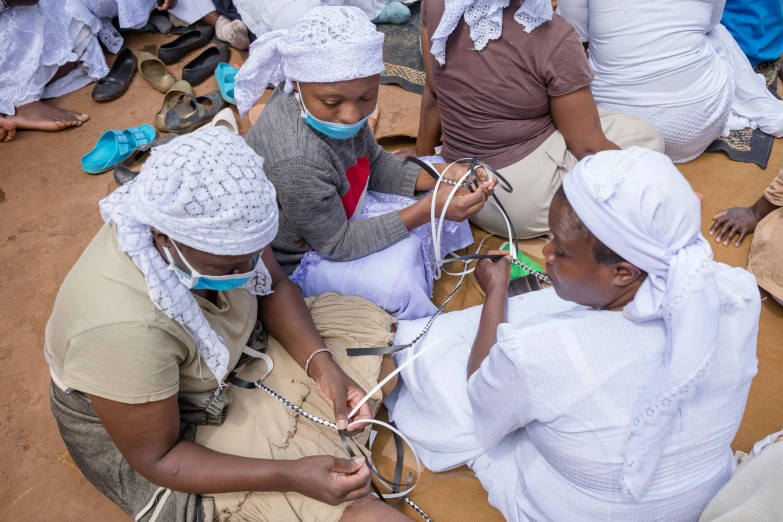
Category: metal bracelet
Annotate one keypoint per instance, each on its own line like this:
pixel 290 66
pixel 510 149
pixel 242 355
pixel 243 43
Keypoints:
pixel 310 359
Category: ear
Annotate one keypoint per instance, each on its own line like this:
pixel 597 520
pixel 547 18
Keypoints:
pixel 626 274
pixel 295 85
pixel 160 238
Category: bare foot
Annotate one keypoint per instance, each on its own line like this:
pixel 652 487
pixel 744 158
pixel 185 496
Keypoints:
pixel 7 129
pixel 373 120
pixel 40 116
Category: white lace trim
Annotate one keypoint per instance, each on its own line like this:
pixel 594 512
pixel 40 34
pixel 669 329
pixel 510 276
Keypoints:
pixel 330 44
pixel 485 20
pixel 206 190
pixel 665 404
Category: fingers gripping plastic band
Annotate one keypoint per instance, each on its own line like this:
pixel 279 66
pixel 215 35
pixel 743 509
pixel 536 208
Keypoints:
pixel 392 485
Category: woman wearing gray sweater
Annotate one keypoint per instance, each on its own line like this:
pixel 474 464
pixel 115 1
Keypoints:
pixel 347 206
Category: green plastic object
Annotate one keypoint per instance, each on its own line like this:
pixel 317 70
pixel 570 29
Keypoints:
pixel 516 270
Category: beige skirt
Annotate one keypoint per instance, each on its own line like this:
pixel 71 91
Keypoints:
pixel 766 252
pixel 258 426
pixel 537 177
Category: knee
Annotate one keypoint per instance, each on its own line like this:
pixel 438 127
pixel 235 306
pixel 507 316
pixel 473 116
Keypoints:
pixel 649 137
pixel 634 131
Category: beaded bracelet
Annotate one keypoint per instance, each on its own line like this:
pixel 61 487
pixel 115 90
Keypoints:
pixel 310 359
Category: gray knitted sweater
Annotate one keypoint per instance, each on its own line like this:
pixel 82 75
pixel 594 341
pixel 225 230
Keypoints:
pixel 308 172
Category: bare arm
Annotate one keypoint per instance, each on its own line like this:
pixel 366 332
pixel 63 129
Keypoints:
pixel 576 117
pixel 429 115
pixel 285 317
pixel 493 278
pixel 147 435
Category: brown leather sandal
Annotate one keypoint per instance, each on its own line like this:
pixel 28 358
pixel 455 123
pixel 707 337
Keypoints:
pixel 123 171
pixel 190 112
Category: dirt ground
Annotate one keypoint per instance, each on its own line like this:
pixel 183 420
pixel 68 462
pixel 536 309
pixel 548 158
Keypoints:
pixel 48 214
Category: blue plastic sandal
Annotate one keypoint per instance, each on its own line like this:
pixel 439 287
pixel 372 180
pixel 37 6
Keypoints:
pixel 394 13
pixel 225 75
pixel 115 146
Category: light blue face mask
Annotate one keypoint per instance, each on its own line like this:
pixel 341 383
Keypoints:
pixel 338 131
pixel 198 281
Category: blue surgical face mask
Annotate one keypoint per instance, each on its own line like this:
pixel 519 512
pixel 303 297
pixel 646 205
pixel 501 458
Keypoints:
pixel 197 281
pixel 338 131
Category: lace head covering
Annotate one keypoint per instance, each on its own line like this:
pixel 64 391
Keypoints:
pixel 485 20
pixel 639 205
pixel 330 44
pixel 206 190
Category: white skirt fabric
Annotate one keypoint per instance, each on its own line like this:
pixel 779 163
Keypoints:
pixel 399 278
pixel 273 15
pixel 36 41
pixel 131 14
pixel 744 101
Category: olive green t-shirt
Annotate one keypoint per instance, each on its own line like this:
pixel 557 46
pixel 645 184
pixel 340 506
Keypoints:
pixel 106 338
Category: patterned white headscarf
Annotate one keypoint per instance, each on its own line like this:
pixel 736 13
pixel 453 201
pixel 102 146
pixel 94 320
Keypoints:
pixel 329 44
pixel 206 190
pixel 485 20
pixel 638 204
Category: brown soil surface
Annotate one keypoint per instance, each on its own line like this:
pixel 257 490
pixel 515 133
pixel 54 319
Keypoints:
pixel 48 214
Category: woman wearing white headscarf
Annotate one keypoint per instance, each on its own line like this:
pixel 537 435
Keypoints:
pixel 348 218
pixel 176 292
pixel 616 394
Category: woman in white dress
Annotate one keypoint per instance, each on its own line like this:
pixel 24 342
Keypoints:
pixel 616 394
pixel 47 49
pixel 672 63
pixel 133 14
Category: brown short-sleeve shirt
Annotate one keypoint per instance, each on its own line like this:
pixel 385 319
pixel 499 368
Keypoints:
pixel 494 103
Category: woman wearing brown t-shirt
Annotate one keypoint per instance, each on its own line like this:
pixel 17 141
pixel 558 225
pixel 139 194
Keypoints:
pixel 518 100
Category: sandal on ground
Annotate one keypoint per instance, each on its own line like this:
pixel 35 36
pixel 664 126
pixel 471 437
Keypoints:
pixel 393 13
pixel 171 52
pixel 155 72
pixel 190 112
pixel 225 118
pixel 114 146
pixel 204 65
pixel 123 171
pixel 180 87
pixel 225 75
pixel 116 83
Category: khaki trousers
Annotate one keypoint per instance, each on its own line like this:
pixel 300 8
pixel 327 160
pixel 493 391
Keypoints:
pixel 258 426
pixel 537 177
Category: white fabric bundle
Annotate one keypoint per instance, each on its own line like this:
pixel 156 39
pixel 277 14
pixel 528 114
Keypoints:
pixel 639 205
pixel 330 44
pixel 206 190
pixel 485 19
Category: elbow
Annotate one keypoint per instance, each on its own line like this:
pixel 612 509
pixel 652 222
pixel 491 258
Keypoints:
pixel 585 148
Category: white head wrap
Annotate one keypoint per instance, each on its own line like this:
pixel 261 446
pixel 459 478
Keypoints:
pixel 485 20
pixel 206 190
pixel 639 205
pixel 330 44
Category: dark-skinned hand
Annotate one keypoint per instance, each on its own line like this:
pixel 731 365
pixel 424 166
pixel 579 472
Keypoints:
pixel 494 275
pixel 463 205
pixel 165 5
pixel 342 394
pixel 737 221
pixel 330 479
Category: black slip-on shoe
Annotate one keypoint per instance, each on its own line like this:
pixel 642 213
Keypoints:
pixel 171 52
pixel 114 84
pixel 203 66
